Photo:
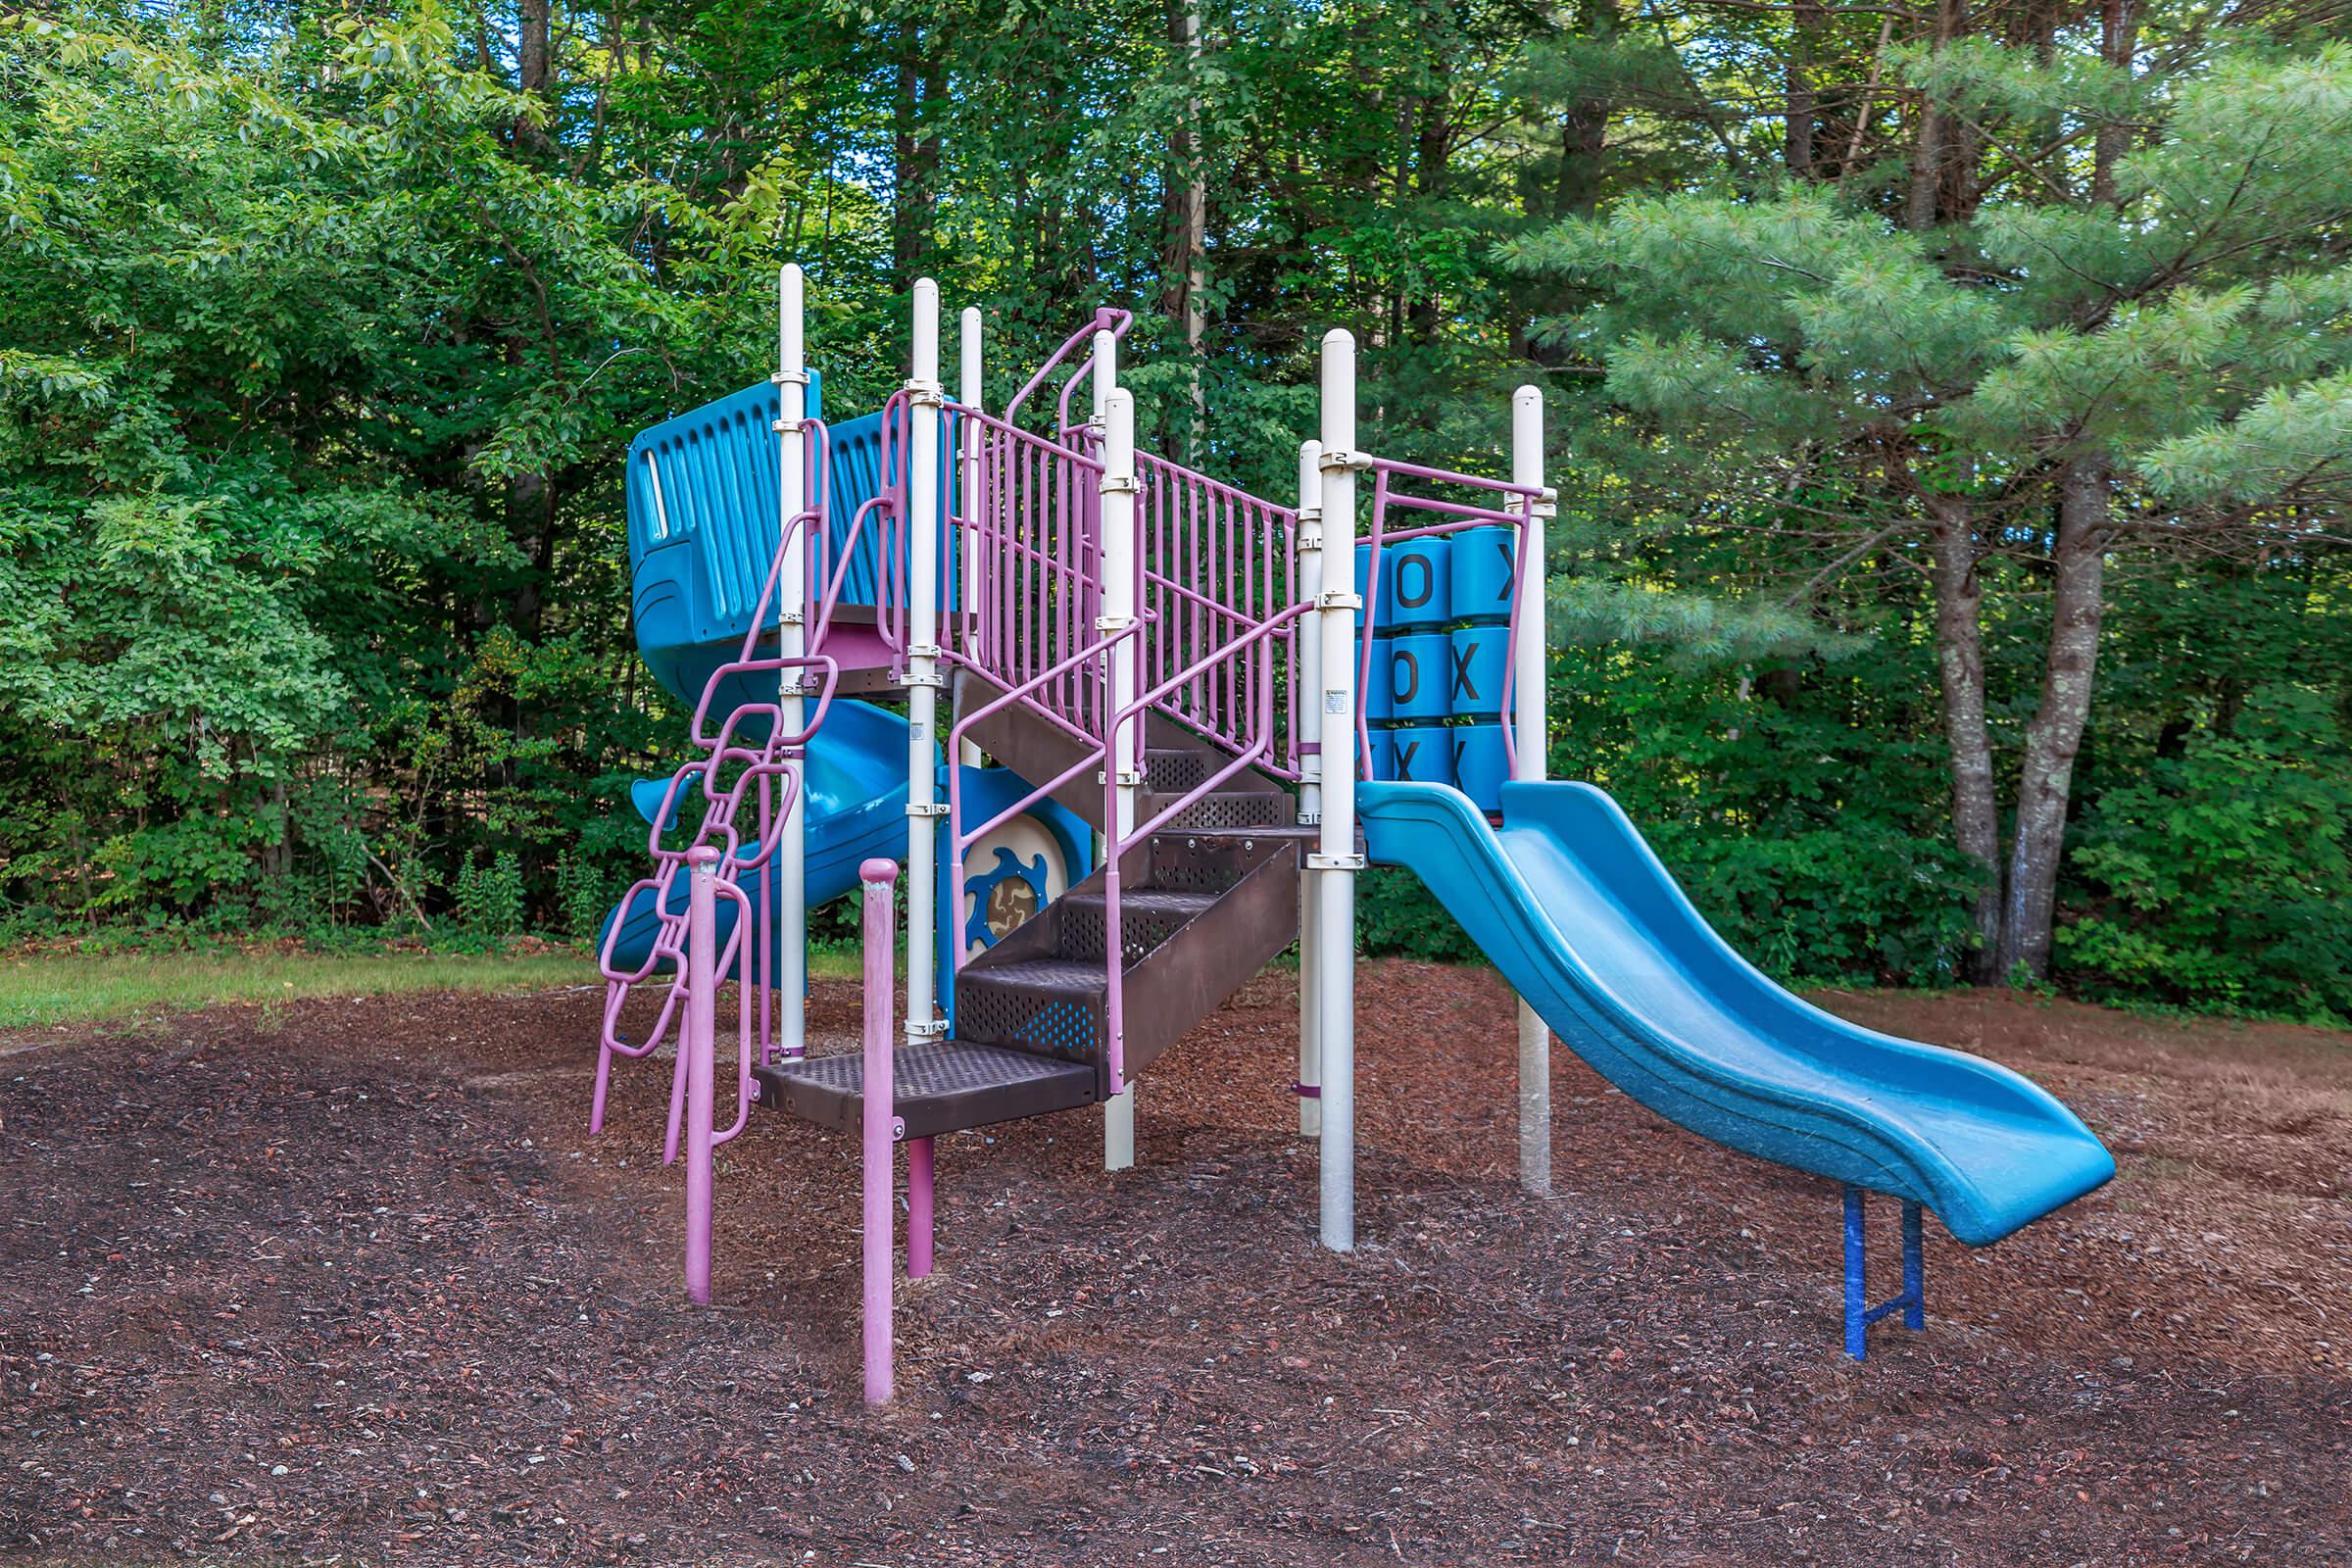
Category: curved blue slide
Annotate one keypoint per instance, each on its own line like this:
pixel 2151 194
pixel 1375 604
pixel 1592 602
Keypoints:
pixel 1576 910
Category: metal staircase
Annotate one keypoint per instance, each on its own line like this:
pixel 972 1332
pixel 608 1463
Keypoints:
pixel 1208 902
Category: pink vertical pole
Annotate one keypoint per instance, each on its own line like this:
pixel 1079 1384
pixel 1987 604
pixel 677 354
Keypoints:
pixel 918 1208
pixel 880 1127
pixel 702 994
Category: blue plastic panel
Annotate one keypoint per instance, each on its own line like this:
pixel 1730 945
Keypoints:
pixel 1423 754
pixel 1417 675
pixel 1380 610
pixel 1416 584
pixel 1475 665
pixel 703 527
pixel 1380 699
pixel 1383 752
pixel 1479 765
pixel 1484 559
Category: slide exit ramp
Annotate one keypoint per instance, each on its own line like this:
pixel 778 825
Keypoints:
pixel 1577 911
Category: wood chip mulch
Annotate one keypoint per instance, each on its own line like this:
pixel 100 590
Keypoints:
pixel 349 1281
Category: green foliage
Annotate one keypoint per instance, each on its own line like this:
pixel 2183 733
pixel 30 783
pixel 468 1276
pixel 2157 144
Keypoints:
pixel 2222 876
pixel 323 334
pixel 489 899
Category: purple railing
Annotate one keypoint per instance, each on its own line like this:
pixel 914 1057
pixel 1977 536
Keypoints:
pixel 1030 530
pixel 1214 635
pixel 1459 515
pixel 1218 566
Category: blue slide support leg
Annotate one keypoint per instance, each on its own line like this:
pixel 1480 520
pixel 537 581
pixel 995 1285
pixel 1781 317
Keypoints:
pixel 1914 1300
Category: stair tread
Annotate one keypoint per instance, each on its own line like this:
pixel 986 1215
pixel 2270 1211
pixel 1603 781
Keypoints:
pixel 1156 901
pixel 939 1086
pixel 941 1067
pixel 1075 976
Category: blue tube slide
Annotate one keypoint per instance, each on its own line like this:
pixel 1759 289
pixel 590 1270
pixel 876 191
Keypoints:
pixel 1576 910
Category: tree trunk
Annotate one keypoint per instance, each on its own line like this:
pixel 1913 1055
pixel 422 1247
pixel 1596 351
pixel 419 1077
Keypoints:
pixel 914 157
pixel 1929 152
pixel 1187 211
pixel 1805 104
pixel 2047 776
pixel 1960 674
pixel 534 60
pixel 2118 44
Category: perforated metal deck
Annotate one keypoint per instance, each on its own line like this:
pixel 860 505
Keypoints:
pixel 938 1088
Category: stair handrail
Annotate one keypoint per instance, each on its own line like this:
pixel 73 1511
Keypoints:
pixel 1094 754
pixel 1115 840
pixel 1106 319
pixel 1260 568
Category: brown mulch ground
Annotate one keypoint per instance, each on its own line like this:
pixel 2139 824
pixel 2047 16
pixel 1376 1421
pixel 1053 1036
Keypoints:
pixel 349 1281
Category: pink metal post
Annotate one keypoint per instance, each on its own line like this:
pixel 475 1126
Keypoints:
pixel 881 1127
pixel 701 1053
pixel 918 1208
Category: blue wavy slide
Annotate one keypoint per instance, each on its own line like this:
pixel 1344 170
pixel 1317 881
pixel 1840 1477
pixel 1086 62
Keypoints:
pixel 1576 910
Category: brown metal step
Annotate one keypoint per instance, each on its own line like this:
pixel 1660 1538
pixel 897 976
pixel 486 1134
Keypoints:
pixel 939 1087
pixel 1147 918
pixel 1222 809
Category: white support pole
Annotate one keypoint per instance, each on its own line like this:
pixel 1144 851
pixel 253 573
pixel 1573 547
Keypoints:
pixel 969 390
pixel 923 665
pixel 1104 379
pixel 1124 750
pixel 790 871
pixel 1528 744
pixel 1337 862
pixel 1306 682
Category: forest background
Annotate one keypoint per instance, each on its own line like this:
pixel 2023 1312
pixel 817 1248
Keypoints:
pixel 1952 405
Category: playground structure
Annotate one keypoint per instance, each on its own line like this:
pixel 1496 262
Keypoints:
pixel 1249 702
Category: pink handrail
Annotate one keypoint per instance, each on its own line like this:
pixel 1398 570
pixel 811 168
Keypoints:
pixel 1106 316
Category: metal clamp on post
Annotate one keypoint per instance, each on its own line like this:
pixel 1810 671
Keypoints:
pixel 1339 599
pixel 788 427
pixel 1335 863
pixel 930 679
pixel 1344 460
pixel 1547 505
pixel 1121 484
pixel 926 394
pixel 790 379
pixel 928 809
pixel 928 1027
pixel 1114 623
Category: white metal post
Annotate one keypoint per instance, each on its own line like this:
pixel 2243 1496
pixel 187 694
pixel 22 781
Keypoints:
pixel 1527 747
pixel 1337 862
pixel 788 875
pixel 1104 377
pixel 1124 750
pixel 922 662
pixel 969 390
pixel 1306 685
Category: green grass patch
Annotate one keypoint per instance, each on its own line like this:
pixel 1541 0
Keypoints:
pixel 41 989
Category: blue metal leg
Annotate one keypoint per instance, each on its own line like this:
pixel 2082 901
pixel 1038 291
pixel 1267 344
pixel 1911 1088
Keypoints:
pixel 1856 1320
pixel 1912 1304
pixel 1915 1272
